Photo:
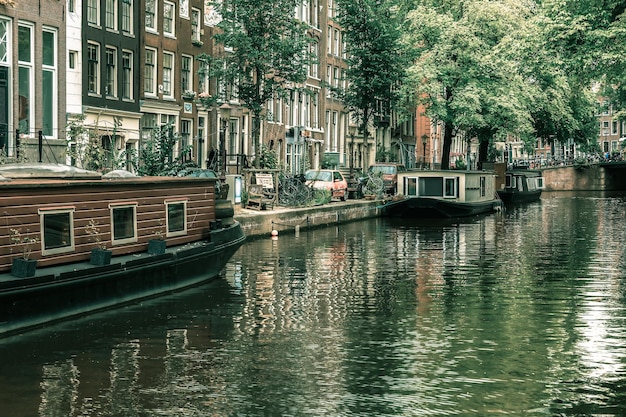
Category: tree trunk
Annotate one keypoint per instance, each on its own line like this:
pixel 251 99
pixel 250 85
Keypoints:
pixel 256 134
pixel 483 152
pixel 447 144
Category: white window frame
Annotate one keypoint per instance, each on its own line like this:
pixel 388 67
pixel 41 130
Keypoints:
pixel 171 32
pixel 110 13
pixel 29 65
pixel 93 7
pixel 188 86
pixel 196 24
pixel 110 52
pixel 127 5
pixel 119 206
pixel 71 246
pixel 52 130
pixel 96 68
pixel 173 202
pixel 153 70
pixel 168 75
pixel 154 14
pixel 127 77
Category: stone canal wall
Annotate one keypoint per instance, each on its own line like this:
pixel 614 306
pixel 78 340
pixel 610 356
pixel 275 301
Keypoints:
pixel 260 223
pixel 569 178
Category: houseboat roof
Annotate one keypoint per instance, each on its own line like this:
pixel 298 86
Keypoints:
pixel 45 171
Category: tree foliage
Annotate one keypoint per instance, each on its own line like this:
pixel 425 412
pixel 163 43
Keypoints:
pixel 157 154
pixel 375 57
pixel 265 54
pixel 509 67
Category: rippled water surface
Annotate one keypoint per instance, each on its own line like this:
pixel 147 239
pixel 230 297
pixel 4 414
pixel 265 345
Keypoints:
pixel 520 313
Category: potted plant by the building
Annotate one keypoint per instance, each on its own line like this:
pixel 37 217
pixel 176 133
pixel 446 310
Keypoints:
pixel 23 266
pixel 100 255
pixel 158 244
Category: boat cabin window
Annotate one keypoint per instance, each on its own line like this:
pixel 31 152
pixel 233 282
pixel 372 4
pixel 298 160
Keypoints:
pixel 431 187
pixel 450 189
pixel 539 183
pixel 410 186
pixel 123 223
pixel 483 186
pixel 176 221
pixel 509 181
pixel 57 230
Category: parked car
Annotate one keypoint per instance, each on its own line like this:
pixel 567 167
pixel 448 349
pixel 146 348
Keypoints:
pixel 389 172
pixel 328 179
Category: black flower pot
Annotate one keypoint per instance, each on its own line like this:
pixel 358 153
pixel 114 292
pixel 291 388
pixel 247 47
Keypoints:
pixel 23 268
pixel 100 257
pixel 156 247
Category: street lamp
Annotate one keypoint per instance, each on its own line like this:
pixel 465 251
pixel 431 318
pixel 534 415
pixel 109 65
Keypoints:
pixel 225 111
pixel 352 131
pixel 424 142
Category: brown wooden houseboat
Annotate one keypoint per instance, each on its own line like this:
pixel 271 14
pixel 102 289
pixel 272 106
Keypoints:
pixel 60 214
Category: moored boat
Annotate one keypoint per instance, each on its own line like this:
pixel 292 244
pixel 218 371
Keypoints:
pixel 521 186
pixel 443 193
pixel 60 216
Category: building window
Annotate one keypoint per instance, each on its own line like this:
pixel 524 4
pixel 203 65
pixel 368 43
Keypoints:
pixel 93 68
pixel 71 6
pixel 49 81
pixel 168 73
pixel 328 80
pixel 169 11
pixel 25 77
pixel 127 16
pixel 185 139
pixel 111 72
pixel 314 65
pixel 110 15
pixel 93 12
pixel 127 75
pixel 186 78
pixel 176 223
pixel 195 24
pixel 57 230
pixel 149 85
pixel 72 59
pixel 123 223
pixel 203 77
pixel 329 40
pixel 151 15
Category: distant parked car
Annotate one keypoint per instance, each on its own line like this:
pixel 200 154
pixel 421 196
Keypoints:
pixel 389 172
pixel 328 179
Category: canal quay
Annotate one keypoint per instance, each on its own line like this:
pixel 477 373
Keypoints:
pixel 282 220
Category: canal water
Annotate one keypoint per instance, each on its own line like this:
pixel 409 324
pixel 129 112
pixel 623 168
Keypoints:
pixel 519 313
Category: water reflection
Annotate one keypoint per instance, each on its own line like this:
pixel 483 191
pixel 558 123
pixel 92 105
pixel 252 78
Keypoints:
pixel 518 313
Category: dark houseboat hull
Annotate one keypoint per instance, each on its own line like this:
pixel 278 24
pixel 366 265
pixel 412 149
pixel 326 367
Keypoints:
pixel 61 292
pixel 519 197
pixel 424 207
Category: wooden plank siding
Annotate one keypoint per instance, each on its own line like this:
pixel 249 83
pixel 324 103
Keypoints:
pixel 21 200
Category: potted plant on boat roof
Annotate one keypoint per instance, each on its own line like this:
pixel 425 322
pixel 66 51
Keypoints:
pixel 157 245
pixel 100 255
pixel 23 267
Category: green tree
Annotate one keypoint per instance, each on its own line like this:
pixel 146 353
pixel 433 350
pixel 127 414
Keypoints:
pixel 265 53
pixel 463 71
pixel 375 57
pixel 156 156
